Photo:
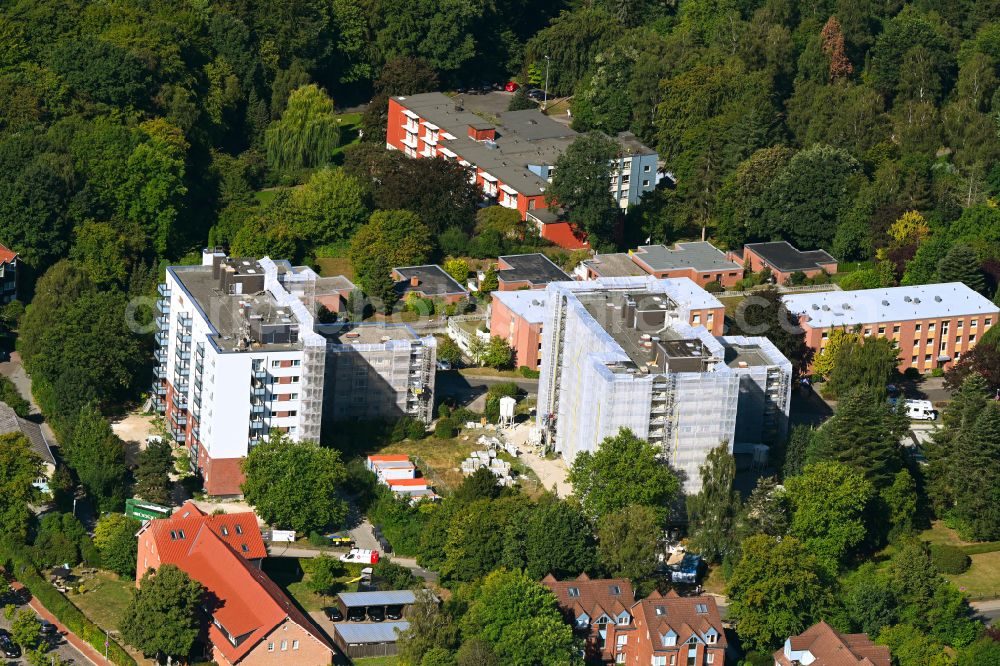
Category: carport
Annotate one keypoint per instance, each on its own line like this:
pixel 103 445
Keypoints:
pixel 362 601
pixel 368 640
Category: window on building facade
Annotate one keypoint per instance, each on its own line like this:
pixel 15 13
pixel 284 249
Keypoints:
pixel 295 645
pixel 622 639
pixel 895 329
pixel 284 645
pixel 270 647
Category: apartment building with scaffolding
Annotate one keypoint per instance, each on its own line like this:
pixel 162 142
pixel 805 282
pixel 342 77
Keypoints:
pixel 621 353
pixel 379 371
pixel 240 355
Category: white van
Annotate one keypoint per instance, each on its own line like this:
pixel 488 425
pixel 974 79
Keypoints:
pixel 920 410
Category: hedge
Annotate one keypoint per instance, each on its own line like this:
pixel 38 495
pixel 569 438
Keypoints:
pixel 18 562
pixel 949 559
pixel 980 548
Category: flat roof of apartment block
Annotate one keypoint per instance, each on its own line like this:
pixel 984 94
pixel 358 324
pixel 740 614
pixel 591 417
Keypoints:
pixel 786 257
pixel 366 333
pixel 701 256
pixel 536 269
pixel 618 264
pixel 866 306
pixel 231 315
pixel 431 279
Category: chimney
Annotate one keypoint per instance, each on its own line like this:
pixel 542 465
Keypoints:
pixel 414 281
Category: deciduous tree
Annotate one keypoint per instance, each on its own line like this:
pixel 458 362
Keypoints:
pixel 115 538
pixel 624 470
pixel 518 619
pixel 162 617
pixel 295 484
pixel 777 589
pixel 580 184
pixel 627 542
pixel 19 468
pixel 307 132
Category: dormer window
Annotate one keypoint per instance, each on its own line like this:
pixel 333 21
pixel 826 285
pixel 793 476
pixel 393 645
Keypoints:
pixel 604 619
pixel 711 637
pixel 583 621
pixel 623 619
pixel 693 640
pixel 670 640
pixel 573 592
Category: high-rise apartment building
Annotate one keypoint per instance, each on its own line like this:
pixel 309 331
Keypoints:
pixel 240 355
pixel 620 353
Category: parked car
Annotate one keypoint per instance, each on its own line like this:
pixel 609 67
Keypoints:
pixel 334 614
pixel 376 613
pixel 8 647
pixel 536 94
pixel 48 629
pixel 394 612
pixel 356 614
pixel 444 365
pixel 511 86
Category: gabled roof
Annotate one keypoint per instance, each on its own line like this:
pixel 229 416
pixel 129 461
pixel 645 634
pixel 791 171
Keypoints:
pixel 240 597
pixel 607 596
pixel 6 254
pixel 830 648
pixel 685 616
pixel 11 422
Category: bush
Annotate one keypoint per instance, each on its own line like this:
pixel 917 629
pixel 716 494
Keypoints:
pixel 714 287
pixel 395 576
pixel 407 428
pixel 318 540
pixel 445 429
pixel 950 559
pixel 937 372
pixel 528 373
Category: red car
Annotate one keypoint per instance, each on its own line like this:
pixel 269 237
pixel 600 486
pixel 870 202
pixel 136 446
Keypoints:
pixel 511 86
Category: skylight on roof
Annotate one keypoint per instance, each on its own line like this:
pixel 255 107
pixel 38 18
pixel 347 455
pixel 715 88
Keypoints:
pixel 701 609
pixel 661 610
pixel 574 591
pixel 615 590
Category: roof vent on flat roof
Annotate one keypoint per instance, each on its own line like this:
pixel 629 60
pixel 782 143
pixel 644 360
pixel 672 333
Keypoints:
pixel 937 299
pixel 885 302
pixel 815 307
pixel 916 300
pixel 826 308
pixel 907 299
pixel 847 306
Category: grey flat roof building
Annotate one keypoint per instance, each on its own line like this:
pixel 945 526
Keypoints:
pixel 617 264
pixel 429 280
pixel 700 256
pixel 783 256
pixel 535 269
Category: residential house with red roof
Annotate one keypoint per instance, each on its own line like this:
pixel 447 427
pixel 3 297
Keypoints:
pixel 672 630
pixel 8 274
pixel 250 621
pixel 822 645
pixel 599 610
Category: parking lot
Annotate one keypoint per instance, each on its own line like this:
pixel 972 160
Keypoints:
pixel 64 651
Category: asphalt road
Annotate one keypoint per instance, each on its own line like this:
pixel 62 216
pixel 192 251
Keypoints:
pixel 63 650
pixel 463 389
pixel 988 611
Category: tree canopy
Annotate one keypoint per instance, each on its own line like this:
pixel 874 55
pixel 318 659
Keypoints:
pixel 162 617
pixel 295 484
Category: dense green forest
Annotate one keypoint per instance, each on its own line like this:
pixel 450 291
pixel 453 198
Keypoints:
pixel 128 129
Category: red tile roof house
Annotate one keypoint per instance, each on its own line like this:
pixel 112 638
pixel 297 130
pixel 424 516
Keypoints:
pixel 676 631
pixel 821 645
pixel 599 610
pixel 252 622
pixel 8 274
pixel 661 630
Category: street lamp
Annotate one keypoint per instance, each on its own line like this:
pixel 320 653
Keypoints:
pixel 545 95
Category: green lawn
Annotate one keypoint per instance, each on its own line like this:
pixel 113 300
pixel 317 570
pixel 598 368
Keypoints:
pixel 329 266
pixel 349 126
pixel 105 599
pixel 290 574
pixel 377 661
pixel 982 580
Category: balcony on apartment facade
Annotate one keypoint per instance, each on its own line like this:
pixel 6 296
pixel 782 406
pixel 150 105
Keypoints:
pixel 163 289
